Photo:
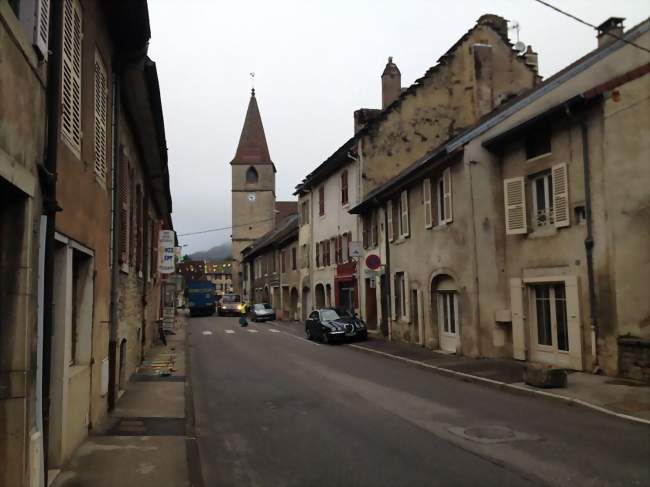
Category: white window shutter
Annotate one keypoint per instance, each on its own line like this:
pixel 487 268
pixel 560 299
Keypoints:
pixel 71 76
pixel 407 297
pixel 514 195
pixel 446 183
pixel 405 214
pixel 574 326
pixel 389 209
pixel 517 313
pixel 42 27
pixel 426 196
pixel 560 183
pixel 101 117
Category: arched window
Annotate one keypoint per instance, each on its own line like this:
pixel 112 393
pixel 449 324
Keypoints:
pixel 251 176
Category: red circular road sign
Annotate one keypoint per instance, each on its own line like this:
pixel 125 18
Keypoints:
pixel 373 261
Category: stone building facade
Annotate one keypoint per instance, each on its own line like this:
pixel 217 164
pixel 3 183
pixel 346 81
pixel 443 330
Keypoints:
pixel 23 119
pixel 272 269
pixel 67 68
pixel 489 239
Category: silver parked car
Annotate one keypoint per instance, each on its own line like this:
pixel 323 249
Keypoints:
pixel 262 312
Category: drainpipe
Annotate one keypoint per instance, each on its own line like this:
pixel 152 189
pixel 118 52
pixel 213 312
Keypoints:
pixel 589 243
pixel 50 208
pixel 115 241
pixel 477 310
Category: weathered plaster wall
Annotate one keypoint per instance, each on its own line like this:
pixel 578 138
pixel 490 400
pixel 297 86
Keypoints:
pixel 452 96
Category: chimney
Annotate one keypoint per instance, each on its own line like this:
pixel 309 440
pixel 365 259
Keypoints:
pixel 614 26
pixel 391 83
pixel 497 22
pixel 531 59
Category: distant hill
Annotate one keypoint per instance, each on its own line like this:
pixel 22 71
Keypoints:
pixel 219 252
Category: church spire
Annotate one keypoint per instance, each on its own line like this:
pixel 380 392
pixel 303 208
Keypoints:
pixel 252 148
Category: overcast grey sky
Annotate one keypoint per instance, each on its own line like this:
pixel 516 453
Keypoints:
pixel 315 63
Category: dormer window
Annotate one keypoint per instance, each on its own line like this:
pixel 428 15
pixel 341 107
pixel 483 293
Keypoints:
pixel 538 143
pixel 251 176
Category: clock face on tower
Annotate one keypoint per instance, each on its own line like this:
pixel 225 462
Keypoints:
pixel 252 197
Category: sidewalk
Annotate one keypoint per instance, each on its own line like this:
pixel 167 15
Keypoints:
pixel 143 442
pixel 624 398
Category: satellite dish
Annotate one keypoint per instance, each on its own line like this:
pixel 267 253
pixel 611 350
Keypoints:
pixel 520 47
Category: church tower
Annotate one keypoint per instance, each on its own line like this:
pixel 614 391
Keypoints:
pixel 253 188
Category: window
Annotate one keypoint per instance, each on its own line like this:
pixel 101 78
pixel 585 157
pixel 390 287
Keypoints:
pixel 283 261
pixel 344 187
pixel 294 258
pixel 551 316
pixel 15 6
pixel 543 200
pixel 448 312
pixel 326 253
pixel 71 76
pixel 339 249
pixel 124 196
pixel 101 118
pixel 318 253
pixel 443 197
pixel 346 247
pixel 34 16
pixel 321 200
pixel 251 176
pixel 538 143
pixel 366 231
pixel 304 213
pixel 374 230
pixel 404 214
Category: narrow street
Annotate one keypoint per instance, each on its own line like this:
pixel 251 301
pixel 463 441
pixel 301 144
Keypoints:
pixel 273 409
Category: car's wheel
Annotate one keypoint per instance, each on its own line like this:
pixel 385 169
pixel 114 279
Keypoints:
pixel 308 332
pixel 326 339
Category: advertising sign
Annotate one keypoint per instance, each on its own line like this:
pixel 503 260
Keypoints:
pixel 166 252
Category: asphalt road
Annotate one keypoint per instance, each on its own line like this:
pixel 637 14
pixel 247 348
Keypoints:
pixel 273 409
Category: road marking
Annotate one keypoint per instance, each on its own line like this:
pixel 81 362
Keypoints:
pixel 230 332
pixel 273 330
pixel 206 332
pixel 250 330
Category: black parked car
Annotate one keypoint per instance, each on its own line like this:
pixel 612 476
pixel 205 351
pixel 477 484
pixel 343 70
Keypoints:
pixel 328 324
pixel 262 312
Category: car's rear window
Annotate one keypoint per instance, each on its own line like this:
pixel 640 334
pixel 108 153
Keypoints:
pixel 231 298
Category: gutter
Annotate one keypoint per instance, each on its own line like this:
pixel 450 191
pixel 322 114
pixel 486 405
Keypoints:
pixel 50 208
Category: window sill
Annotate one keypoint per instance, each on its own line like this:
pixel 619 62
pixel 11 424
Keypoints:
pixel 542 232
pixel 539 157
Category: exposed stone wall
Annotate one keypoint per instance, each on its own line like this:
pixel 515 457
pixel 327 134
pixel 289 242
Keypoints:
pixel 634 358
pixel 480 74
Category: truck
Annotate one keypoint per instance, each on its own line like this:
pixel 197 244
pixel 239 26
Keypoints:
pixel 200 297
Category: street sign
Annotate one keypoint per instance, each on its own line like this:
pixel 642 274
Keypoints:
pixel 166 251
pixel 373 262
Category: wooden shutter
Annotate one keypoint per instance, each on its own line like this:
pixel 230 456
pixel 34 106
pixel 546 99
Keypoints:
pixel 101 117
pixel 138 229
pixel 560 184
pixel 42 27
pixel 71 76
pixel 574 327
pixel 389 210
pixel 393 308
pixel 317 254
pixel 404 217
pixel 344 188
pixel 517 313
pixel 426 200
pixel 514 195
pixel 446 184
pixel 365 228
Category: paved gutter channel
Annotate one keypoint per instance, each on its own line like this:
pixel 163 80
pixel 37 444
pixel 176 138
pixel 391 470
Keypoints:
pixel 191 443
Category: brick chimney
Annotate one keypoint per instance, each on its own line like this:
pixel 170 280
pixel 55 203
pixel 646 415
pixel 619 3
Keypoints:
pixel 391 83
pixel 613 25
pixel 532 59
